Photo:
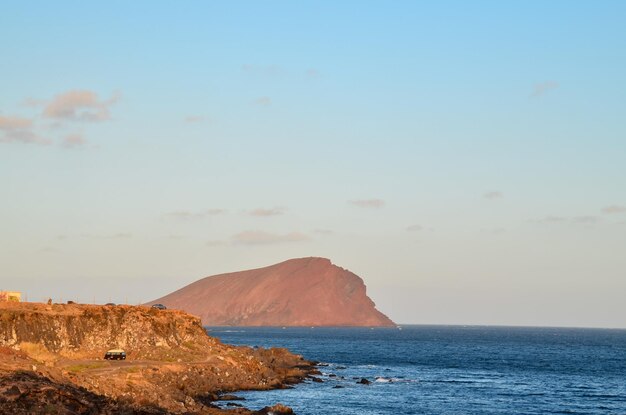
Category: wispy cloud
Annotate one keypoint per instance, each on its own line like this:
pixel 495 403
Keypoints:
pixel 189 215
pixel 543 87
pixel 19 129
pixel 119 235
pixel 494 231
pixel 263 101
pixel 415 228
pixel 193 119
pixel 312 73
pixel 550 219
pixel 74 141
pixel 324 232
pixel 79 105
pixel 493 195
pixel 585 219
pixel 262 212
pixel 614 209
pixel 216 243
pixel 262 70
pixel 267 238
pixel 14 123
pixel 368 203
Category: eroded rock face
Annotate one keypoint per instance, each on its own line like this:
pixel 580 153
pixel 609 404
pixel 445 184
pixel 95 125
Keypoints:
pixel 298 292
pixel 91 330
pixel 51 362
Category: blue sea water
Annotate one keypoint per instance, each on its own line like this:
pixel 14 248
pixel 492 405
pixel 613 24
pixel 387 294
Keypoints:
pixel 449 369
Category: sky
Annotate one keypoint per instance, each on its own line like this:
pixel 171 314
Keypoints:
pixel 466 159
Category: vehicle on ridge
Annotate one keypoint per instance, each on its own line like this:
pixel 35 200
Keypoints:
pixel 115 354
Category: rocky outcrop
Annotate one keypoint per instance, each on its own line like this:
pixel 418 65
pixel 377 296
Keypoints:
pixel 85 330
pixel 297 292
pixel 52 354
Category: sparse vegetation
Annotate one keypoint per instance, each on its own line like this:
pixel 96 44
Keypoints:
pixel 38 352
pixel 85 366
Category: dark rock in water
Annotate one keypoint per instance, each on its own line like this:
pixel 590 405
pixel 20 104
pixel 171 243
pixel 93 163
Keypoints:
pixel 230 398
pixel 234 404
pixel 315 372
pixel 364 381
pixel 332 375
pixel 338 387
pixel 208 399
pixel 314 379
pixel 341 367
pixel 292 380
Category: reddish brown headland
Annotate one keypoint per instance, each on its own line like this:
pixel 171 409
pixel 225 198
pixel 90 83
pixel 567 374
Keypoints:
pixel 298 292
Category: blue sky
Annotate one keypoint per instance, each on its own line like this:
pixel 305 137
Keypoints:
pixel 466 159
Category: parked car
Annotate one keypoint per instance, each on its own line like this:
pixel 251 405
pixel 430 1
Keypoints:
pixel 159 306
pixel 115 354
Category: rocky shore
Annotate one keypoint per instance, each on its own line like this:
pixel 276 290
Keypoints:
pixel 51 361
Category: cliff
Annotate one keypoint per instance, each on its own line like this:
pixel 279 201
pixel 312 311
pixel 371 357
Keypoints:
pixel 297 292
pixel 88 331
pixel 51 360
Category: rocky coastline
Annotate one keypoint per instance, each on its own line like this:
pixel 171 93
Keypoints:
pixel 51 361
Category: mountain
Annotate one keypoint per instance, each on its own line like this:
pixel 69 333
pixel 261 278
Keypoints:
pixel 297 292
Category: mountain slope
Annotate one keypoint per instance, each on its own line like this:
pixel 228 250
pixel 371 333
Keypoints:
pixel 297 292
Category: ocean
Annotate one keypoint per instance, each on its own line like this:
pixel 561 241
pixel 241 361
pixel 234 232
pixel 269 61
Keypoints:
pixel 448 369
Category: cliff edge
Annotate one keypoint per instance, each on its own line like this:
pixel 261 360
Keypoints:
pixel 298 292
pixel 51 361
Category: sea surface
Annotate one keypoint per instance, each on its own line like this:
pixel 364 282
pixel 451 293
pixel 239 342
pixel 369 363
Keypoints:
pixel 449 369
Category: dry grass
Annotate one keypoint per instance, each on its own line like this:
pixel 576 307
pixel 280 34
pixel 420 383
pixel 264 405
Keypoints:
pixel 85 366
pixel 39 353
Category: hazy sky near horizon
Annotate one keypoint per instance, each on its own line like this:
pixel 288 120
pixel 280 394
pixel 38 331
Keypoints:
pixel 466 159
